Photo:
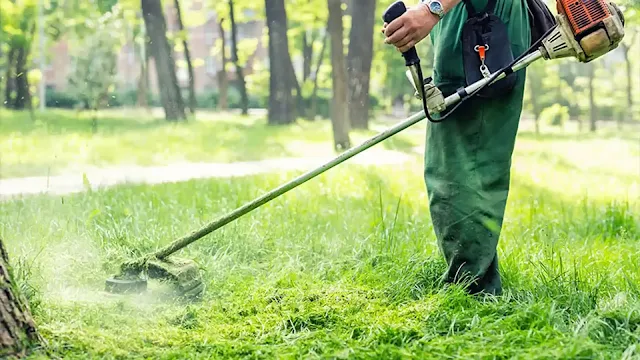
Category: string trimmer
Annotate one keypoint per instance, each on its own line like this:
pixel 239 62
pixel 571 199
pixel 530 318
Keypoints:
pixel 584 30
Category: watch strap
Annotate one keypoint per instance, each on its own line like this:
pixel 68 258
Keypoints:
pixel 428 4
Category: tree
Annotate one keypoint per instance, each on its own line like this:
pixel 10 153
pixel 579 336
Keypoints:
pixel 632 20
pixel 281 102
pixel 223 82
pixel 161 52
pixel 308 28
pixel 18 27
pixel 10 79
pixel 298 89
pixel 22 99
pixel 143 79
pixel 359 61
pixel 234 58
pixel 183 34
pixel 314 94
pixel 339 112
pixel 307 53
pixel 96 63
pixel 626 47
pixel 18 332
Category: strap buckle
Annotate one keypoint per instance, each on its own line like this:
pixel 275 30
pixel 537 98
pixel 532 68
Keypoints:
pixel 481 50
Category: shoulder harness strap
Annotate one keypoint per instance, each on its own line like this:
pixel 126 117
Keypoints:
pixel 471 10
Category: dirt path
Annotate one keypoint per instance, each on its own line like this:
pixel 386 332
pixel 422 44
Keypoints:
pixel 111 176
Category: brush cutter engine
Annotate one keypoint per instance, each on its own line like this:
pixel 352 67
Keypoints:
pixel 585 30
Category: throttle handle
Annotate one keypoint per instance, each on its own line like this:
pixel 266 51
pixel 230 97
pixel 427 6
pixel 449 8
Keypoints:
pixel 393 12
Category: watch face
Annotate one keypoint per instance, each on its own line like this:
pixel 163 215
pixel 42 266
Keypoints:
pixel 436 7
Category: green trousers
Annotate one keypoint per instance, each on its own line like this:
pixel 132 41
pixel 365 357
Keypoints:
pixel 468 156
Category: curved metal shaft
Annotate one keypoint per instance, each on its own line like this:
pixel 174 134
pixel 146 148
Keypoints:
pixel 220 222
pixel 252 205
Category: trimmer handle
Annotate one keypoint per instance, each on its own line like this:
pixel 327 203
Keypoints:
pixel 393 12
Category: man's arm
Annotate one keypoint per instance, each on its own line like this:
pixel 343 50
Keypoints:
pixel 414 25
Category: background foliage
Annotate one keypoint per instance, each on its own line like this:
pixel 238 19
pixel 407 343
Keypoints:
pixel 563 83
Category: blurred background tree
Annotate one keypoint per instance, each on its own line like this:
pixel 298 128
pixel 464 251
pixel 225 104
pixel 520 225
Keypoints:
pixel 95 62
pixel 275 56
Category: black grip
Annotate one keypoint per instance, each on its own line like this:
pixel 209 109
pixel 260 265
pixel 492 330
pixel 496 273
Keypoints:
pixel 393 12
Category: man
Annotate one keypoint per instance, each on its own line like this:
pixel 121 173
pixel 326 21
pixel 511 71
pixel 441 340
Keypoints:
pixel 468 155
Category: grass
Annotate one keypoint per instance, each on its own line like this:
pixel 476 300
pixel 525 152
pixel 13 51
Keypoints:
pixel 62 141
pixel 345 266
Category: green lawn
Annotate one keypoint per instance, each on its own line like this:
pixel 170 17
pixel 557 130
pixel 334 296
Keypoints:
pixel 345 266
pixel 63 141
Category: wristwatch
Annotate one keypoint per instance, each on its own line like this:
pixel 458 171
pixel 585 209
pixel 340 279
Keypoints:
pixel 435 6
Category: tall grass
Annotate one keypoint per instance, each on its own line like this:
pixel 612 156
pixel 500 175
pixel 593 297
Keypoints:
pixel 345 266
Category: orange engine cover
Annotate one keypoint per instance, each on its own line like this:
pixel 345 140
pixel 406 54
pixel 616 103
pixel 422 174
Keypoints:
pixel 583 14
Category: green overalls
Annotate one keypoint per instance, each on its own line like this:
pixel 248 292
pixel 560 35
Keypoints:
pixel 468 156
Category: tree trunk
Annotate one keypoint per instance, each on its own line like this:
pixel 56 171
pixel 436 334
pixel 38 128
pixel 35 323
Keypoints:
pixel 307 54
pixel 223 81
pixel 18 333
pixel 339 112
pixel 223 89
pixel 359 61
pixel 10 84
pixel 625 51
pixel 281 102
pixel 313 112
pixel 156 26
pixel 234 57
pixel 592 103
pixel 23 93
pixel 192 87
pixel 629 112
pixel 295 85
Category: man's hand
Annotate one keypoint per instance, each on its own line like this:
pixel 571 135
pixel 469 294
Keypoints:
pixel 410 28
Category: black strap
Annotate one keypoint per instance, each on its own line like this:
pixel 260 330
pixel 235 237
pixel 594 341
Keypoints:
pixel 491 4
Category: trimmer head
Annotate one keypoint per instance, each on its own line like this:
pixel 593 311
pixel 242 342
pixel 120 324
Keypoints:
pixel 183 274
pixel 125 284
